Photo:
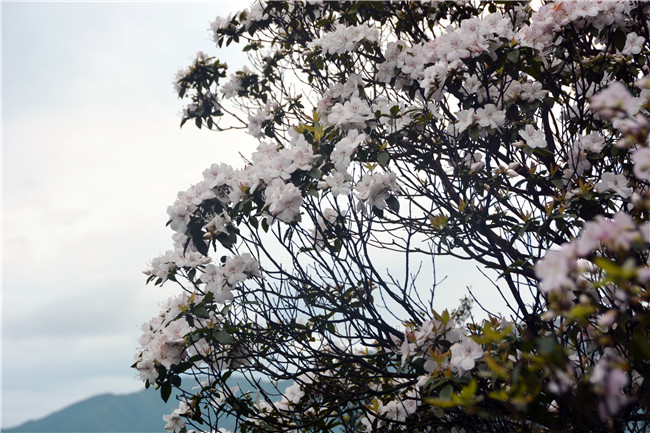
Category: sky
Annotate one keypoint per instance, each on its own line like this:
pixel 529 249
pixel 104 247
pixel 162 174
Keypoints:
pixel 92 155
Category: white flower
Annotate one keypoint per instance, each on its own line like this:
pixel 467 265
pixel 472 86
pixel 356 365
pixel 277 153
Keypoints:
pixel 342 154
pixel 641 160
pixel 464 355
pixel 147 368
pixel 633 44
pixel 338 182
pixel 531 92
pixel 593 142
pixel 615 101
pixel 166 265
pixel 533 138
pixel 217 25
pixel 255 122
pixel 231 87
pixel 218 224
pixel 284 200
pixel 174 421
pixel 609 382
pixel 344 39
pixel 301 155
pixel 350 115
pixel 553 270
pixel 294 393
pixel 375 188
pixel 614 182
pixel 238 269
pixel 490 117
pixel 618 232
pixel 465 119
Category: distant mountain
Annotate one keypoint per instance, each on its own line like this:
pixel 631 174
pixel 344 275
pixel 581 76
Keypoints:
pixel 138 412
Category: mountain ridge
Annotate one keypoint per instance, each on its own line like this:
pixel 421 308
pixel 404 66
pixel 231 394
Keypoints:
pixel 137 412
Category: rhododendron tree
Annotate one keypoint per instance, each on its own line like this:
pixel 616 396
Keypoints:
pixel 511 135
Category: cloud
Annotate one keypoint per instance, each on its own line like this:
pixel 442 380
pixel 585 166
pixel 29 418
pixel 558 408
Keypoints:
pixel 92 156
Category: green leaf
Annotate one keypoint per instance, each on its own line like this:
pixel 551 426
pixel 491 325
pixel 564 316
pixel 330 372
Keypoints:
pixel 315 173
pixel 166 391
pixel 445 393
pixel 383 158
pixel 546 345
pixel 619 39
pixel 223 337
pixel 201 312
pixel 393 203
pixel 513 56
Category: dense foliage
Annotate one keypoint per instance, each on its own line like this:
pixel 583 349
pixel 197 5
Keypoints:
pixel 507 134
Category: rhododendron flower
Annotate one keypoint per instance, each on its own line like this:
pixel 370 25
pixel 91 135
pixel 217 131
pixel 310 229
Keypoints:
pixel 352 114
pixel 375 188
pixel 464 355
pixel 294 393
pixel 617 232
pixel 337 182
pixel 284 200
pixel 465 119
pixel 614 182
pixel 614 101
pixel 238 269
pixel 174 421
pixel 641 160
pixel 593 142
pixel 231 87
pixel 553 270
pixel 610 381
pixel 490 117
pixel 256 121
pixel 344 149
pixel 217 225
pixel 345 39
pixel 533 138
pixel 633 44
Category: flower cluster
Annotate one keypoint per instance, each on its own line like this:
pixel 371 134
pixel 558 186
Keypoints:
pixel 344 39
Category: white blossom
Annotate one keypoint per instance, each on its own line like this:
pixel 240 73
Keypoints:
pixel 375 188
pixel 533 137
pixel 464 355
pixel 614 182
pixel 284 200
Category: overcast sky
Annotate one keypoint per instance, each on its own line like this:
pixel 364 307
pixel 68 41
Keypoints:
pixel 92 155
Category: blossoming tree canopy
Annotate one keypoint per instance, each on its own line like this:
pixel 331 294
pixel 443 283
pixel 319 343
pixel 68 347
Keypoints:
pixel 510 135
